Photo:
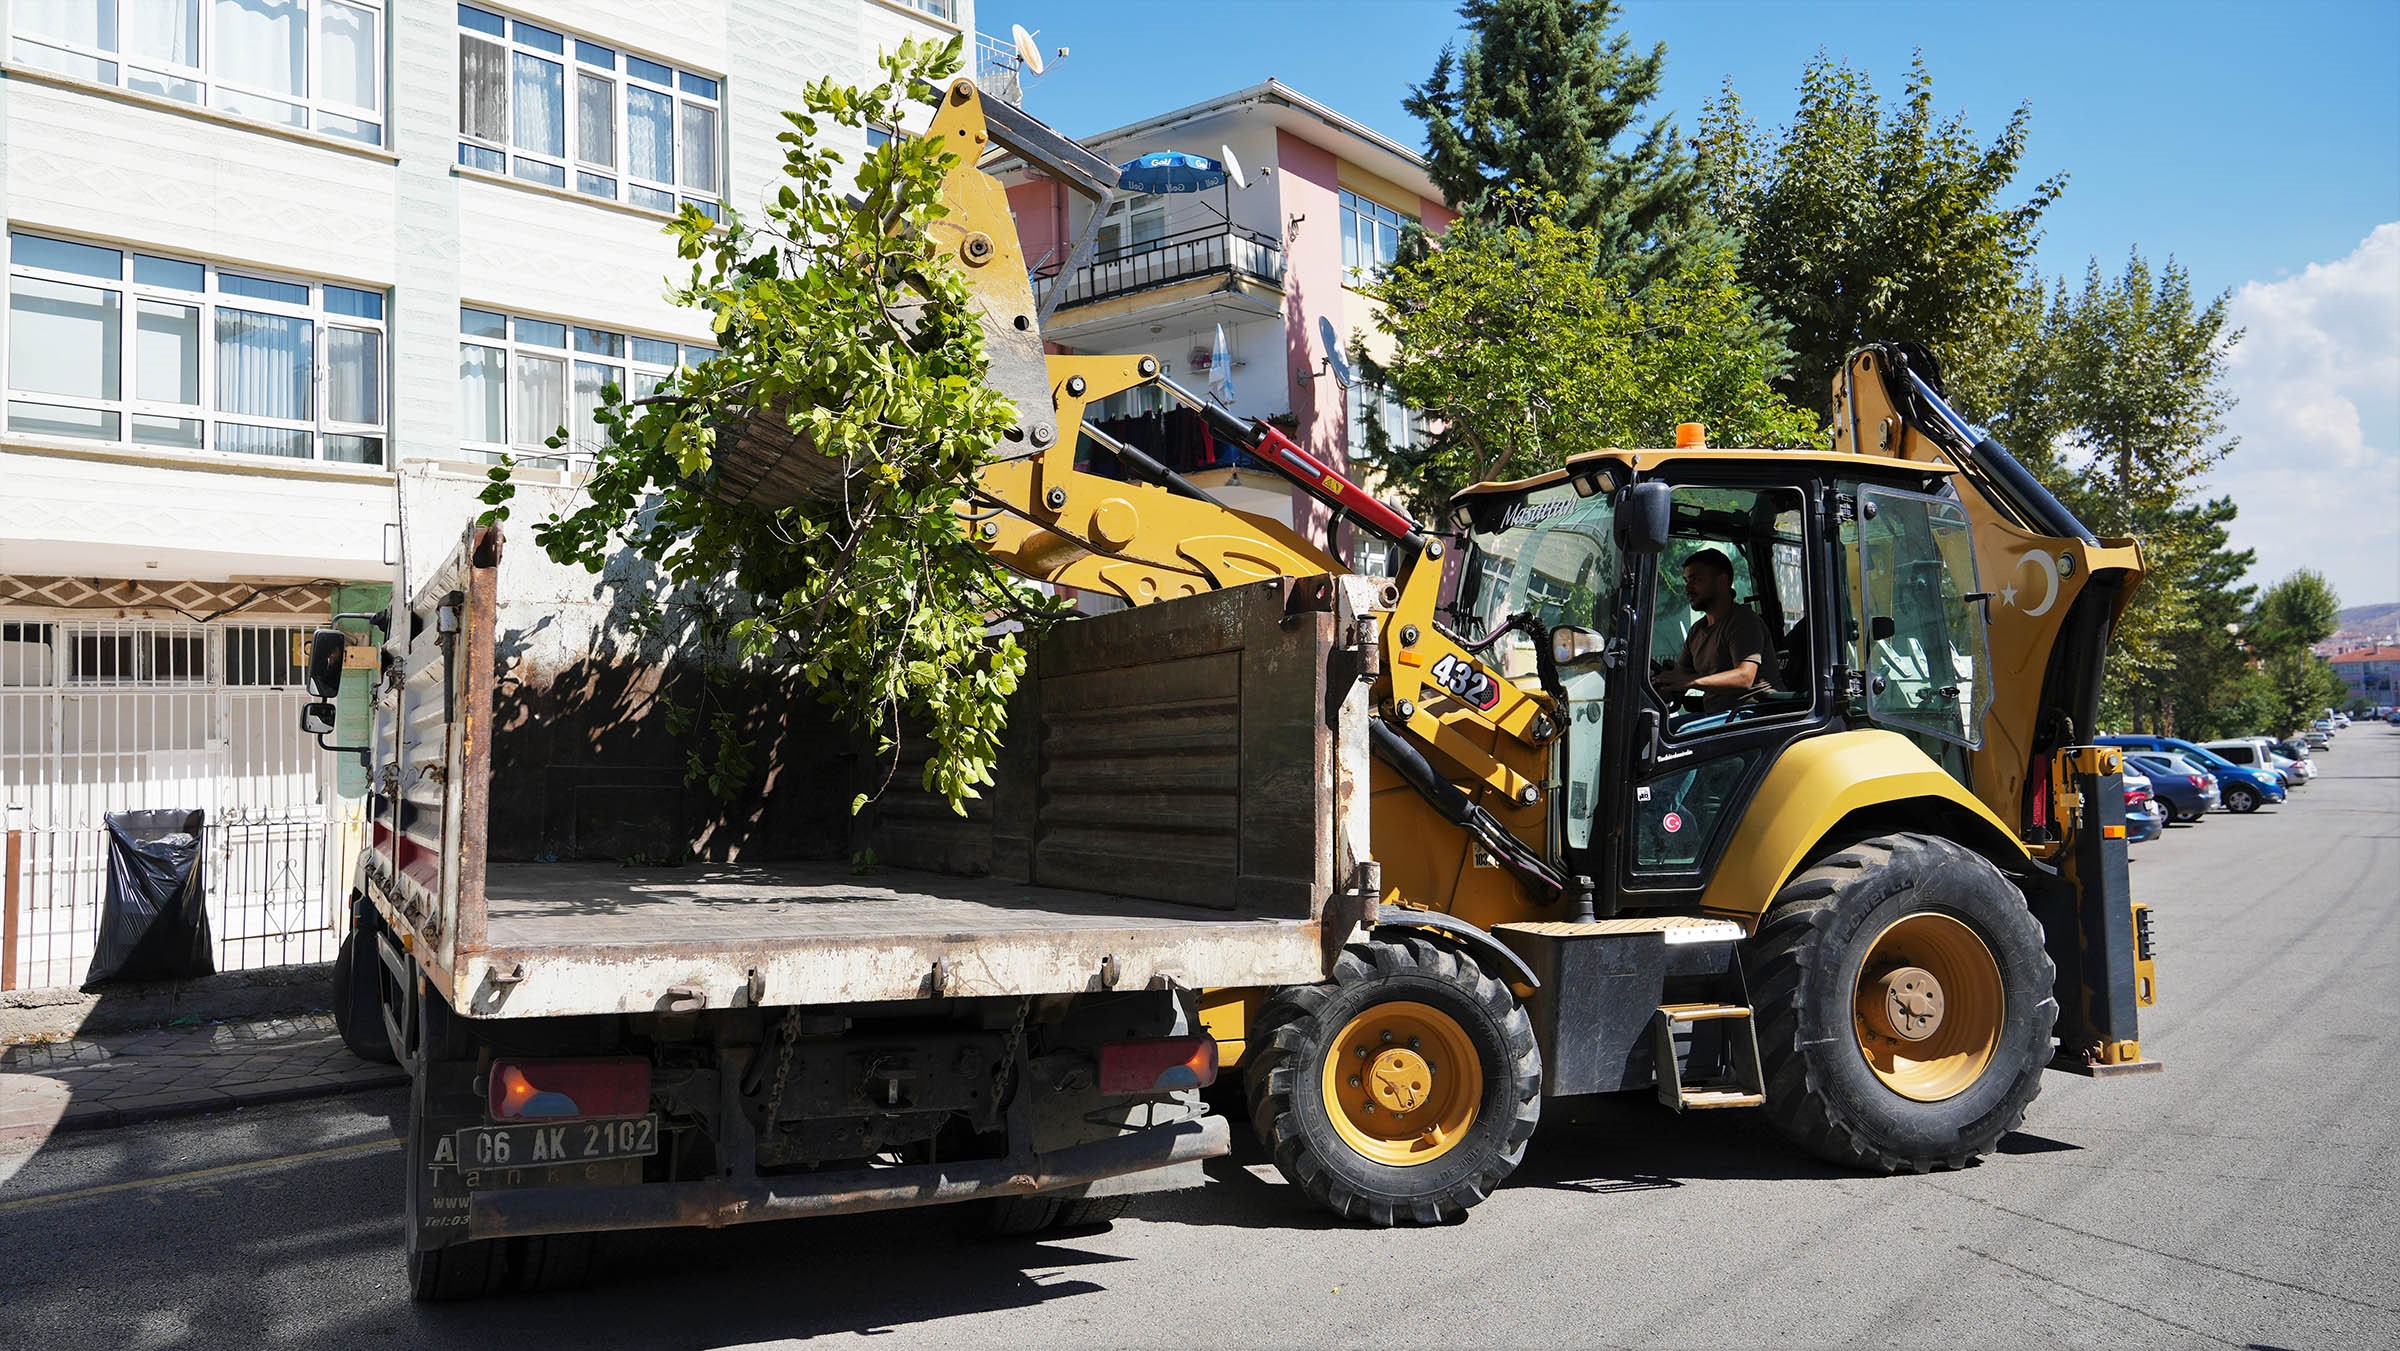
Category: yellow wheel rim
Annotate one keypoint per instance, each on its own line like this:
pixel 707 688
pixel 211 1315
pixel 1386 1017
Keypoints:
pixel 1402 1083
pixel 1928 1007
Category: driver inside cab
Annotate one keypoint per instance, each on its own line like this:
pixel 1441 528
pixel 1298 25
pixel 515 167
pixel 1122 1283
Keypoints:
pixel 1728 656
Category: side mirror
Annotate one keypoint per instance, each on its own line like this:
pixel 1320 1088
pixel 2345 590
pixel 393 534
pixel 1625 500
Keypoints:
pixel 1571 646
pixel 325 653
pixel 1647 518
pixel 316 719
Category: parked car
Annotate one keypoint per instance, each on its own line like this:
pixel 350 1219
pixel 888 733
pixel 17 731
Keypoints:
pixel 2145 815
pixel 2244 789
pixel 2187 790
pixel 2258 752
pixel 2324 725
pixel 2316 739
pixel 2293 748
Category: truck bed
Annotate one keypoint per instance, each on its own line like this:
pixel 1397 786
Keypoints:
pixel 594 937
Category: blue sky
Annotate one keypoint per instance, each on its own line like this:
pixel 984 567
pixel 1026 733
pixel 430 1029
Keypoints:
pixel 2249 141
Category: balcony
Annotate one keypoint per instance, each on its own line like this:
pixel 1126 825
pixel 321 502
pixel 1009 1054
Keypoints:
pixel 1244 258
pixel 998 71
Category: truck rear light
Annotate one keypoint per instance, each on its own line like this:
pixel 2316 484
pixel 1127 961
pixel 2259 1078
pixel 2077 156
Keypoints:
pixel 549 1090
pixel 1162 1065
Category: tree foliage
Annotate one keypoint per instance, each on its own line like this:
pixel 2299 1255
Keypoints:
pixel 1544 97
pixel 1863 223
pixel 1522 353
pixel 2290 618
pixel 848 321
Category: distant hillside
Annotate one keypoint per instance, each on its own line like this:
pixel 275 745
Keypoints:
pixel 2369 619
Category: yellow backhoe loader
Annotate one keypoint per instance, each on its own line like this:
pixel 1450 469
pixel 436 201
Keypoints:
pixel 1873 897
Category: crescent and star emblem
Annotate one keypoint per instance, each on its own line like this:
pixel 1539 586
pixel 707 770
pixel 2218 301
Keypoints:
pixel 2049 570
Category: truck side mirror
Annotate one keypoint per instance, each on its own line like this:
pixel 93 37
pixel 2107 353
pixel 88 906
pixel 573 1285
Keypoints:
pixel 316 719
pixel 1647 519
pixel 1571 646
pixel 325 649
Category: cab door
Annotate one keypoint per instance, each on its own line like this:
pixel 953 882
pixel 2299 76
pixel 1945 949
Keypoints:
pixel 1688 770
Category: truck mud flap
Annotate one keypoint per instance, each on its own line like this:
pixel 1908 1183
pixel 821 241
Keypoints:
pixel 713 1205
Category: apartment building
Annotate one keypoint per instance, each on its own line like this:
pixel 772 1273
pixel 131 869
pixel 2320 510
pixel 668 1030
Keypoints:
pixel 1276 265
pixel 264 257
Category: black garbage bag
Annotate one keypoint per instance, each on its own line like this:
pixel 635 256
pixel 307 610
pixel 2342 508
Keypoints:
pixel 154 924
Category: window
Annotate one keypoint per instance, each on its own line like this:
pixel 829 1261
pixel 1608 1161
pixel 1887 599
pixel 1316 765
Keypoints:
pixel 563 111
pixel 945 10
pixel 1370 235
pixel 314 65
pixel 1400 423
pixel 522 379
pixel 1927 654
pixel 1131 222
pixel 108 344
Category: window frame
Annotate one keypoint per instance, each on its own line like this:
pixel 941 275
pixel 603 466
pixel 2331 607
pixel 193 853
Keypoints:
pixel 208 410
pixel 535 454
pixel 578 59
pixel 1358 213
pixel 112 67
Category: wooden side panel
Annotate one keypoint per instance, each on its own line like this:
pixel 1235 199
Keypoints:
pixel 1184 751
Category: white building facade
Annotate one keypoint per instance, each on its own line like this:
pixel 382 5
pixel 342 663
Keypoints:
pixel 261 255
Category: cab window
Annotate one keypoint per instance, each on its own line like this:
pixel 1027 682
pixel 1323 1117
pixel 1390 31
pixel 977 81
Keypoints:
pixel 1737 552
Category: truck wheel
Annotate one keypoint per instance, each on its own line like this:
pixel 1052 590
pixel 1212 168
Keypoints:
pixel 2241 799
pixel 467 1270
pixel 1904 1006
pixel 358 1002
pixel 1402 1091
pixel 553 1261
pixel 1019 1216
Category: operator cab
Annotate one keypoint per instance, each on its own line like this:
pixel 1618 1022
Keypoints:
pixel 1858 595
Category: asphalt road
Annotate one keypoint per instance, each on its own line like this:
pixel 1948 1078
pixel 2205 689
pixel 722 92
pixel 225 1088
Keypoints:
pixel 2248 1196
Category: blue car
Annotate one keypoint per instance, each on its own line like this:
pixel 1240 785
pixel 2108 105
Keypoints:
pixel 2188 791
pixel 2244 789
pixel 2145 815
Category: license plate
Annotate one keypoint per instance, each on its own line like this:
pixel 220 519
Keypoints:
pixel 538 1145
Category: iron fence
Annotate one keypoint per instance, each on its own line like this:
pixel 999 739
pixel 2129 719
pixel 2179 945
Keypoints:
pixel 274 882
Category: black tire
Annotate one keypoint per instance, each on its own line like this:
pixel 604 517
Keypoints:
pixel 1022 1216
pixel 2242 799
pixel 358 1002
pixel 1804 966
pixel 460 1271
pixel 553 1261
pixel 1288 1109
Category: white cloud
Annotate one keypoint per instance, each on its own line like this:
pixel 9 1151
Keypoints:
pixel 2318 375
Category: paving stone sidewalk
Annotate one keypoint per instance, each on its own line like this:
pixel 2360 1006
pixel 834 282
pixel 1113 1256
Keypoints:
pixel 118 1078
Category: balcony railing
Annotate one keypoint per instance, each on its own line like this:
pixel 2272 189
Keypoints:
pixel 998 70
pixel 1227 249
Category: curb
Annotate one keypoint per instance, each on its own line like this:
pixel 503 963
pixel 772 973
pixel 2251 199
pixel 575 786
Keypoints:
pixel 107 1118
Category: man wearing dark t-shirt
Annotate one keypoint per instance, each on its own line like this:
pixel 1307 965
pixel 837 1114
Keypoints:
pixel 1729 653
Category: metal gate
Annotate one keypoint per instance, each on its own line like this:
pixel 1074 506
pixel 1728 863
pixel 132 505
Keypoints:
pixel 99 716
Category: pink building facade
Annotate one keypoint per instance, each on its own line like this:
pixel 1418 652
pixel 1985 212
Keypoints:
pixel 1276 265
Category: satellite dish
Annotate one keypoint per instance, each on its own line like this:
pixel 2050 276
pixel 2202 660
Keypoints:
pixel 1027 53
pixel 1333 351
pixel 1233 169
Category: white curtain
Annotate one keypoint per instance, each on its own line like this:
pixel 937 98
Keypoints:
pixel 589 378
pixel 596 121
pixel 353 375
pixel 541 398
pixel 700 148
pixel 165 31
pixel 264 364
pixel 538 94
pixel 87 23
pixel 482 89
pixel 263 44
pixel 483 401
pixel 649 135
pixel 346 50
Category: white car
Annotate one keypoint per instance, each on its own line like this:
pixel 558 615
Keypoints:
pixel 2256 752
